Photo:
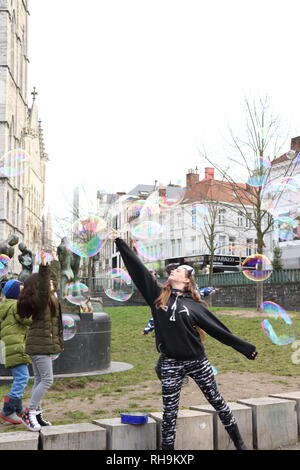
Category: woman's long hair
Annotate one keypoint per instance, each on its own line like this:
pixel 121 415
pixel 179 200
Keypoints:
pixel 28 301
pixel 191 288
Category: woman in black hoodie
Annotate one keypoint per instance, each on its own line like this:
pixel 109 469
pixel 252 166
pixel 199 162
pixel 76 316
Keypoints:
pixel 179 315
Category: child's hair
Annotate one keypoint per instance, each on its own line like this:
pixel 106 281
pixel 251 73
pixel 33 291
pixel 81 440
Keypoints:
pixel 28 301
pixel 191 287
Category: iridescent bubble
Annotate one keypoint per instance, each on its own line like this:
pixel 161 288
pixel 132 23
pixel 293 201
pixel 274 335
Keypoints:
pixel 291 154
pixel 14 163
pixel 69 327
pixel 215 371
pixel 282 197
pixel 173 197
pixel 77 293
pixel 280 328
pixel 259 173
pixel 135 208
pixel 4 265
pixel 38 261
pixel 88 236
pixel 147 230
pixel 257 267
pixel 54 356
pixel 153 266
pixel 200 216
pixel 120 285
pixel 151 206
pixel 284 228
pixel 148 250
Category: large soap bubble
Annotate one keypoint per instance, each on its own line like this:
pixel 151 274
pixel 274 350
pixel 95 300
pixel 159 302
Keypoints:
pixel 279 327
pixel 88 236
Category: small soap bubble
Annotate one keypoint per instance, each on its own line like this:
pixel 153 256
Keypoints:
pixel 69 327
pixel 4 265
pixel 260 173
pixel 172 197
pixel 77 293
pixel 257 267
pixel 284 228
pixel 14 163
pixel 120 285
pixel 54 356
pixel 200 216
pixel 291 154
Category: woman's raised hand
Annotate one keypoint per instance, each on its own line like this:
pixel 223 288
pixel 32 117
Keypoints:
pixel 43 258
pixel 114 234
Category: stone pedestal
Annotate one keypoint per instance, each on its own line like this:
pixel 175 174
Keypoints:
pixel 122 436
pixel 274 422
pixel 243 416
pixel 82 436
pixel 194 430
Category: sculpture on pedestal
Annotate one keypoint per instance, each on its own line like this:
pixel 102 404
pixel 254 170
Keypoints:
pixel 26 260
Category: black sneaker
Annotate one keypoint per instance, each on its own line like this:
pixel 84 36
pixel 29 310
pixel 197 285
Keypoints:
pixel 41 420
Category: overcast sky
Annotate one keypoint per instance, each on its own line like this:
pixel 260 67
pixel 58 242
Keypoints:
pixel 130 90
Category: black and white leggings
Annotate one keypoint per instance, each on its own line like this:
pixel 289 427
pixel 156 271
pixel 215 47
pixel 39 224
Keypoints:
pixel 172 374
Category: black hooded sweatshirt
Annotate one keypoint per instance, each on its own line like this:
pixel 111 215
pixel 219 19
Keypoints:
pixel 174 323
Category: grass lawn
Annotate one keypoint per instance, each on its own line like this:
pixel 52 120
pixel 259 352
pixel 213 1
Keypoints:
pixel 130 346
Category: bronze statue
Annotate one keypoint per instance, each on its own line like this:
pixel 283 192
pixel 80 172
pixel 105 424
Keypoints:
pixel 6 247
pixel 26 260
pixel 70 263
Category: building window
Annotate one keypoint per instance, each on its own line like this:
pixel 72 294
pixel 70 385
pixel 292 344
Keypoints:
pixel 249 248
pixel 240 220
pixel 222 245
pixel 248 221
pixel 231 247
pixel 173 248
pixel 222 213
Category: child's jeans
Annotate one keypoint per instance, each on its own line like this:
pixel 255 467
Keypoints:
pixel 20 380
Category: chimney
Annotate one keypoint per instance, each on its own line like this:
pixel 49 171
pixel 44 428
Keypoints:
pixel 209 174
pixel 295 144
pixel 192 178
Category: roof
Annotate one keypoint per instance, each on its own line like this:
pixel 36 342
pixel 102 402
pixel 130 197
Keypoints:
pixel 215 190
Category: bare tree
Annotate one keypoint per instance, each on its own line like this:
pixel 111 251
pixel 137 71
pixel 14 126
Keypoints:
pixel 256 153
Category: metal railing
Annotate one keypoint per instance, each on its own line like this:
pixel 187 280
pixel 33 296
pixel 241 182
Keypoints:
pixel 98 284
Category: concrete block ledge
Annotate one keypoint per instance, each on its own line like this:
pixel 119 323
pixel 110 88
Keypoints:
pixel 243 416
pixel 194 430
pixel 122 436
pixel 81 436
pixel 274 422
pixel 19 440
pixel 291 396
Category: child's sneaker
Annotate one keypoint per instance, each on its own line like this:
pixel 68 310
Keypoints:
pixel 41 420
pixel 30 421
pixel 9 411
pixel 11 418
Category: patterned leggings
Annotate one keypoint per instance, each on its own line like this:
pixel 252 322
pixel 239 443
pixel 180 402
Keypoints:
pixel 200 371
